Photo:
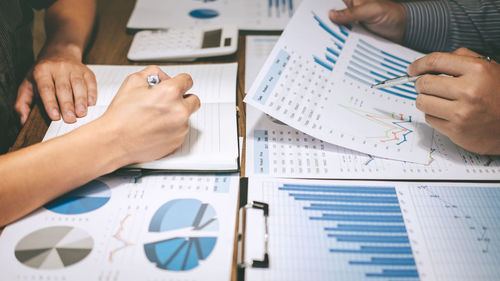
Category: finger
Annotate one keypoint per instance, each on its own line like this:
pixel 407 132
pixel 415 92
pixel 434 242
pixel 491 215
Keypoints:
pixel 436 106
pixel 24 100
pixel 178 85
pixel 440 86
pixel 79 93
pixel 46 90
pixel 443 126
pixel 462 51
pixel 91 85
pixel 64 95
pixel 192 103
pixel 363 12
pixel 442 63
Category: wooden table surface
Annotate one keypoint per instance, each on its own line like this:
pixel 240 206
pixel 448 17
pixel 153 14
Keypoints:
pixel 110 45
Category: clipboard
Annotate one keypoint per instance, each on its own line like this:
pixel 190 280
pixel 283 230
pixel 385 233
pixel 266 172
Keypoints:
pixel 244 206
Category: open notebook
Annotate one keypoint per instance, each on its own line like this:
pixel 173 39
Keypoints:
pixel 212 141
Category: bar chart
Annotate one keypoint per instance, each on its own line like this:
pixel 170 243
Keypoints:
pixel 339 36
pixel 370 65
pixel 367 224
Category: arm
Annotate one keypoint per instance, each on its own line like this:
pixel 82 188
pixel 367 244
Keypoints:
pixel 448 25
pixel 64 84
pixel 430 25
pixel 141 124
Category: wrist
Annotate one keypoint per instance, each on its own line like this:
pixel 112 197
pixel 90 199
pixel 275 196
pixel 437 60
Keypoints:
pixel 66 50
pixel 105 141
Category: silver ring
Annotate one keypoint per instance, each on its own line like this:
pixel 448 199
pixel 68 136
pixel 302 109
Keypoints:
pixel 487 58
pixel 153 80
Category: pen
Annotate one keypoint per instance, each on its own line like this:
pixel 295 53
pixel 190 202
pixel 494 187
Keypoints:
pixel 395 81
pixel 406 79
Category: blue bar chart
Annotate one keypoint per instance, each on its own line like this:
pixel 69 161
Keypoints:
pixel 339 36
pixel 366 223
pixel 370 65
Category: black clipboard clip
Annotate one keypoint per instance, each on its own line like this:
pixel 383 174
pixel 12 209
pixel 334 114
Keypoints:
pixel 244 206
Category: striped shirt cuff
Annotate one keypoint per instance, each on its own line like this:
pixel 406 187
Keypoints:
pixel 427 25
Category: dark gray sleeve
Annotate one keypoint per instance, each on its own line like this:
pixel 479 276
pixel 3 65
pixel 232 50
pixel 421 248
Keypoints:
pixel 445 25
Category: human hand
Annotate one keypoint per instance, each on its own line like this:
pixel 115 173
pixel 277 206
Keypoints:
pixel 151 122
pixel 64 84
pixel 466 106
pixel 383 17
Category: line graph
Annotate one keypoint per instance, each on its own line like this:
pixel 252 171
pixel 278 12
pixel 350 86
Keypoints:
pixel 395 126
pixel 456 225
pixel 370 65
pixel 117 236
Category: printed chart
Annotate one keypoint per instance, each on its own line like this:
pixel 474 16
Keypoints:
pixel 374 230
pixel 87 198
pixel 152 227
pixel 354 231
pixel 246 15
pixel 182 253
pixel 323 87
pixel 54 247
pixel 456 228
pixel 275 149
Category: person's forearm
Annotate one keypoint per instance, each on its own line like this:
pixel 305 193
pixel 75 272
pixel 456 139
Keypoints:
pixel 68 25
pixel 37 174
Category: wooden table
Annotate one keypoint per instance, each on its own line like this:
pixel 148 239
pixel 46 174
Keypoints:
pixel 110 45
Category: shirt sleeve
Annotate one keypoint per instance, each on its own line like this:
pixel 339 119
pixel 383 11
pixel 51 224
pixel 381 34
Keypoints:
pixel 445 25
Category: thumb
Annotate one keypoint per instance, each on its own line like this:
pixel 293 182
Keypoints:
pixel 24 100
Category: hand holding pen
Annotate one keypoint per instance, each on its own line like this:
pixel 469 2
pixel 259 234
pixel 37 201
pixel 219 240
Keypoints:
pixel 464 104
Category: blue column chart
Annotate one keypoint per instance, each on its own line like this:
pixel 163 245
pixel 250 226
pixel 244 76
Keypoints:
pixel 339 36
pixel 367 224
pixel 280 8
pixel 370 65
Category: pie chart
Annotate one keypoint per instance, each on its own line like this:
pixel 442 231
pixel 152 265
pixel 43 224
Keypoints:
pixel 86 198
pixel 182 253
pixel 203 13
pixel 54 247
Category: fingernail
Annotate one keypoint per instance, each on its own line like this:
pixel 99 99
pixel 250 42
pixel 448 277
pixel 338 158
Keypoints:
pixel 55 114
pixel 91 101
pixel 80 109
pixel 70 114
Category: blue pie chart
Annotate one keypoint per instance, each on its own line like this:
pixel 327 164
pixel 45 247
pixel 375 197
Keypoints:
pixel 186 252
pixel 86 198
pixel 203 13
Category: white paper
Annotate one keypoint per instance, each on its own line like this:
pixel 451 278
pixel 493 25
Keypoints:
pixel 118 221
pixel 211 143
pixel 257 50
pixel 278 150
pixel 317 80
pixel 359 230
pixel 246 15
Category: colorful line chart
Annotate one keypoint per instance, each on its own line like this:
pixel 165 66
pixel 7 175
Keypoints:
pixel 396 126
pixel 182 253
pixel 118 236
pixel 87 198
